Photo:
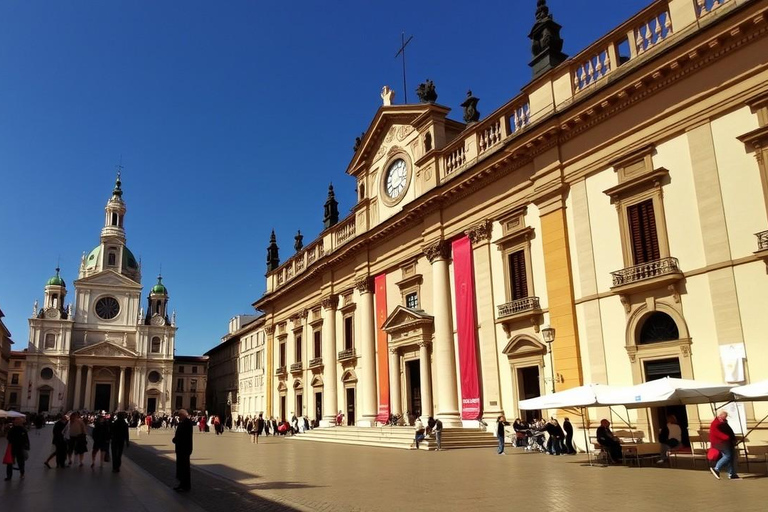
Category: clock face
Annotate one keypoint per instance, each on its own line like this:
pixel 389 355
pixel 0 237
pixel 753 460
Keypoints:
pixel 107 308
pixel 396 179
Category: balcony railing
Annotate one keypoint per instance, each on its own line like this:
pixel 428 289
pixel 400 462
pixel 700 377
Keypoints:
pixel 280 370
pixel 518 306
pixel 347 354
pixel 318 361
pixel 645 271
pixel 762 241
pixel 297 367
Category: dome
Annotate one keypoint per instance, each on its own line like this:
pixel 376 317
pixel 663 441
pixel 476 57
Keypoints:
pixel 56 280
pixel 129 260
pixel 159 288
pixel 92 261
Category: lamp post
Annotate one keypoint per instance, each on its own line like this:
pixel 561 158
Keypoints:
pixel 548 333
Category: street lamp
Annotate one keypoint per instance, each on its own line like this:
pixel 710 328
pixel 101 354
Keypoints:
pixel 548 333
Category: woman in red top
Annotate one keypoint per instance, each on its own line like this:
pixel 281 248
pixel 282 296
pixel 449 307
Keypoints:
pixel 722 438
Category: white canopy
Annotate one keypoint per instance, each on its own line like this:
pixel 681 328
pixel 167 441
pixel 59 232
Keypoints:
pixel 669 391
pixel 11 414
pixel 582 396
pixel 751 392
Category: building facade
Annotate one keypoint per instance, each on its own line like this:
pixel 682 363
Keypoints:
pixel 251 366
pixel 15 387
pixel 104 351
pixel 616 198
pixel 190 376
pixel 223 377
pixel 5 357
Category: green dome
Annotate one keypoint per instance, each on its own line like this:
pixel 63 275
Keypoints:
pixel 129 260
pixel 56 280
pixel 93 258
pixel 159 288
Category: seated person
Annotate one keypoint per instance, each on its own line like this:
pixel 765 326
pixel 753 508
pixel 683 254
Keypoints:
pixel 670 437
pixel 608 441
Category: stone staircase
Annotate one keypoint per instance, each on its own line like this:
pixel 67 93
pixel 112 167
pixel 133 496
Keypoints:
pixel 399 437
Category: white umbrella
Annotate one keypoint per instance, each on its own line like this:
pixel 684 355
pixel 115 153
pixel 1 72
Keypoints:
pixel 669 391
pixel 11 414
pixel 754 392
pixel 582 396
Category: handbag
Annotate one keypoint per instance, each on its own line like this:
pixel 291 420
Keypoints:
pixel 8 457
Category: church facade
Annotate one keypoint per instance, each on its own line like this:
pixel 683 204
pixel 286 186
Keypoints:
pixel 103 351
pixel 621 198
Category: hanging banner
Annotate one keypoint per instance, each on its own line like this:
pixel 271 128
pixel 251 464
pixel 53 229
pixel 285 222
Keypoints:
pixel 382 347
pixel 466 326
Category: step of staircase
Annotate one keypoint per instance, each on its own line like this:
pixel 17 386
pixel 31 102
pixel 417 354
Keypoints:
pixel 399 437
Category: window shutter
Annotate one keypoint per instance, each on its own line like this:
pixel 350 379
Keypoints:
pixel 642 228
pixel 518 276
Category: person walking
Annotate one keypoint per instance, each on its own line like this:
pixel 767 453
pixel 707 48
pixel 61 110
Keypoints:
pixel 59 442
pixel 100 435
pixel 419 430
pixel 723 439
pixel 118 435
pixel 568 428
pixel 501 422
pixel 183 442
pixel 259 427
pixel 438 430
pixel 77 436
pixel 18 444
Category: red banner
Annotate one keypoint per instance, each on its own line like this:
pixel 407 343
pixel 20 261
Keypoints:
pixel 382 347
pixel 466 326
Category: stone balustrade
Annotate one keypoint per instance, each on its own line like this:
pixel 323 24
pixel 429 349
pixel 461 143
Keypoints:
pixel 645 271
pixel 518 306
pixel 347 354
pixel 297 367
pixel 704 7
pixel 344 231
pixel 280 371
pixel 317 361
pixel 456 159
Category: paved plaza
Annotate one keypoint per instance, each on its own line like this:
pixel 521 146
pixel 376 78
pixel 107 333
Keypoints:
pixel 231 474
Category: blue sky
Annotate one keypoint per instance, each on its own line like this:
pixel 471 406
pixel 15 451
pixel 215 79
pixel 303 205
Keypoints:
pixel 231 119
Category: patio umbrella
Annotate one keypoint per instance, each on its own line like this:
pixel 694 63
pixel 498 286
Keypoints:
pixel 669 391
pixel 11 414
pixel 755 392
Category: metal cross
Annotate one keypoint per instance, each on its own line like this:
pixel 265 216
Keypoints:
pixel 404 43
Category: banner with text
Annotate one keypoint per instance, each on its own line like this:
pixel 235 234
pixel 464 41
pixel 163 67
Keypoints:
pixel 382 347
pixel 466 327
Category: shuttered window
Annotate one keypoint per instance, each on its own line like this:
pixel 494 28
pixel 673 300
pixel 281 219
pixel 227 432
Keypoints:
pixel 642 230
pixel 518 278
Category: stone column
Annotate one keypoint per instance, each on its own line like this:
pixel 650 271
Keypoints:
pixel 78 387
pixel 88 384
pixel 438 254
pixel 120 389
pixel 395 398
pixel 368 353
pixel 425 368
pixel 480 236
pixel 330 398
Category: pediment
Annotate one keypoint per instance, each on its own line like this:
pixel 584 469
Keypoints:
pixel 105 349
pixel 524 346
pixel 108 278
pixel 405 318
pixel 390 126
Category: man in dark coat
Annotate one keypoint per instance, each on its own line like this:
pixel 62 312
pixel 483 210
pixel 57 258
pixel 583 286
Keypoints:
pixel 119 438
pixel 568 428
pixel 59 442
pixel 183 442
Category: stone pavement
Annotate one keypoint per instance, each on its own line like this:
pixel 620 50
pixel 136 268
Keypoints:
pixel 83 489
pixel 230 472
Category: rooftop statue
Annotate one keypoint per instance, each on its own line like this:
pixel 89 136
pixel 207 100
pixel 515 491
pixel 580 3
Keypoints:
pixel 426 92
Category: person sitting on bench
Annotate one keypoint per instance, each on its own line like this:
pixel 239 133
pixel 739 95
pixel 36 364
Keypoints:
pixel 608 441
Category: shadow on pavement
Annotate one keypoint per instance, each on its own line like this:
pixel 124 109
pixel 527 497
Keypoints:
pixel 209 491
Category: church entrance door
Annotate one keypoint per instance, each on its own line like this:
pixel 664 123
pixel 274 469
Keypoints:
pixel 151 405
pixel 102 396
pixel 350 406
pixel 413 376
pixel 318 405
pixel 45 402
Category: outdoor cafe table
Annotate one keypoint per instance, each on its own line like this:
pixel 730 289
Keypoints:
pixel 638 451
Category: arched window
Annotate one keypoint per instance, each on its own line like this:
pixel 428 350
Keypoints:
pixel 55 300
pixel 112 259
pixel 658 327
pixel 114 219
pixel 155 345
pixel 50 341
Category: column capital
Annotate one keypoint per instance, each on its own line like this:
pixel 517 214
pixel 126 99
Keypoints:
pixel 394 350
pixel 364 284
pixel 424 344
pixel 270 330
pixel 79 365
pixel 437 250
pixel 330 302
pixel 480 233
pixel 122 368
